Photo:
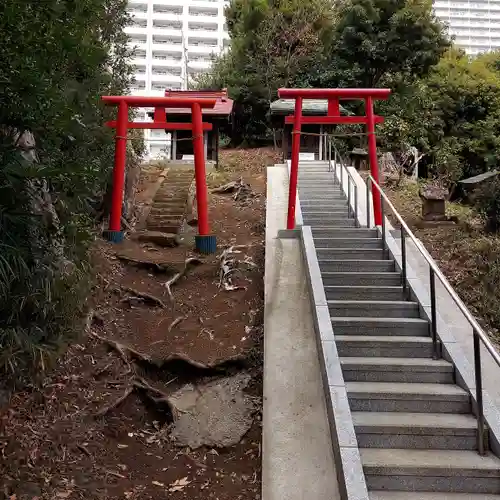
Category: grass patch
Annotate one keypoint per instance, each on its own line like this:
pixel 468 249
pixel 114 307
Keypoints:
pixel 468 256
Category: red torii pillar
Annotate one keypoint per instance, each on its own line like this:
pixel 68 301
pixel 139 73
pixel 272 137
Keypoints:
pixel 205 242
pixel 333 117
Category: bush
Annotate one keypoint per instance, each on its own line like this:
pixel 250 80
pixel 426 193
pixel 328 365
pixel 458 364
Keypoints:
pixel 58 57
pixel 488 204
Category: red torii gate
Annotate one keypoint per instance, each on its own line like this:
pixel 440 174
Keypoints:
pixel 205 242
pixel 332 118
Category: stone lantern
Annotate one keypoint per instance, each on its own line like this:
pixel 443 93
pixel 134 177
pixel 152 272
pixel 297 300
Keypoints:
pixel 359 158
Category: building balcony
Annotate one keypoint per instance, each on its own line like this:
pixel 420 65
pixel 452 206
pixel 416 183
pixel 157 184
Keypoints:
pixel 200 64
pixel 167 24
pixel 163 79
pixel 138 14
pixel 167 48
pixel 138 33
pixel 203 36
pixel 210 27
pixel 140 77
pixel 167 63
pixel 203 10
pixel 137 42
pixel 167 37
pixel 203 43
pixel 207 51
pixel 159 88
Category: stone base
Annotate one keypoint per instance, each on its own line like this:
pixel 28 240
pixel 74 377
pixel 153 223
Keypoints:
pixel 206 244
pixel 113 236
pixel 448 221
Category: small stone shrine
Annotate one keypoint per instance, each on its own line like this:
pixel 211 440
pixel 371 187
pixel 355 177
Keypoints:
pixel 359 158
pixel 434 203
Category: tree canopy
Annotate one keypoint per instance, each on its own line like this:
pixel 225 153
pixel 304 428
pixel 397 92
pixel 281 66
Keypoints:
pixel 320 43
pixel 452 115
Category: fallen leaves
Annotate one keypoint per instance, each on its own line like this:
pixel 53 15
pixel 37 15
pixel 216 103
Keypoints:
pixel 179 484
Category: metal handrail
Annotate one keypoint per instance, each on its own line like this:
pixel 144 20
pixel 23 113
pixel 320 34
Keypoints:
pixel 477 332
pixel 350 180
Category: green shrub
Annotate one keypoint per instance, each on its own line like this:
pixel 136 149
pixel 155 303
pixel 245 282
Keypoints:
pixel 487 201
pixel 58 58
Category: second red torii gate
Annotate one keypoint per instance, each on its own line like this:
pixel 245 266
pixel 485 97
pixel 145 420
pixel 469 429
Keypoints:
pixel 205 242
pixel 333 118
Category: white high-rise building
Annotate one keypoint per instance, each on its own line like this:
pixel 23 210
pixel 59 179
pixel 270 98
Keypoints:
pixel 174 41
pixel 475 23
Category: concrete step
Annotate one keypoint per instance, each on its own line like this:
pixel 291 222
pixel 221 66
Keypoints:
pixel 418 431
pixel 172 202
pixel 305 179
pixel 414 398
pixel 431 470
pixel 339 232
pixel 352 265
pixel 167 211
pixel 321 197
pixel 336 212
pixel 330 222
pixel 326 190
pixel 361 279
pixel 180 182
pixel 164 228
pixel 350 292
pixel 374 308
pixel 402 370
pixel 380 326
pixel 350 253
pixel 347 242
pixel 380 346
pixel 317 182
pixel 322 204
pixel 420 495
pixel 164 218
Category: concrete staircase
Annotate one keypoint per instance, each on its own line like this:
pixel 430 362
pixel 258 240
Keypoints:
pixel 169 204
pixel 414 424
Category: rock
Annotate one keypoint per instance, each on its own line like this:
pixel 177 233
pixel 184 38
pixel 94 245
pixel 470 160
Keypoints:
pixel 159 238
pixel 217 414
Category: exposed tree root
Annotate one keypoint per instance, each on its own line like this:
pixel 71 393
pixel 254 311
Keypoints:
pixel 127 354
pixel 242 191
pixel 117 402
pixel 152 299
pixel 175 323
pixel 188 264
pixel 229 265
pixel 157 267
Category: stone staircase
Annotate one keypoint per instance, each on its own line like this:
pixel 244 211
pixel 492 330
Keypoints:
pixel 168 209
pixel 414 425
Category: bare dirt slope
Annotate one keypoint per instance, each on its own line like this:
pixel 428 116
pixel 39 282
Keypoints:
pixel 153 359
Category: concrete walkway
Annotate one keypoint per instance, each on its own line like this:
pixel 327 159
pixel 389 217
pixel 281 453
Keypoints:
pixel 297 461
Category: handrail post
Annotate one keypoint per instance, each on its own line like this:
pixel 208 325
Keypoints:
pixel 356 205
pixel 382 214
pixel 294 164
pixel 403 258
pixel 348 197
pixel 432 278
pixel 341 176
pixel 368 189
pixel 479 393
pixel 330 153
